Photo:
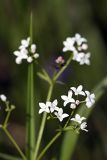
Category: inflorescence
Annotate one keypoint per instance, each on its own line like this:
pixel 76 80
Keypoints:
pixel 75 97
pixel 26 51
pixel 78 46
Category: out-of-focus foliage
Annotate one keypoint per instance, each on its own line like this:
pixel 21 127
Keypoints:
pixel 53 21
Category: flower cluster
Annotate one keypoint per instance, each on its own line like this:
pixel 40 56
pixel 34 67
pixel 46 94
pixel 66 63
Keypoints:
pixel 26 51
pixel 51 107
pixel 75 97
pixel 89 98
pixel 78 46
pixel 79 121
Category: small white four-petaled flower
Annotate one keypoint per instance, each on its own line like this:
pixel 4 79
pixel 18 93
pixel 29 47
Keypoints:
pixel 78 119
pixel 53 106
pixel 90 99
pixel 78 46
pixel 44 107
pixel 60 115
pixel 78 90
pixel 83 126
pixel 68 99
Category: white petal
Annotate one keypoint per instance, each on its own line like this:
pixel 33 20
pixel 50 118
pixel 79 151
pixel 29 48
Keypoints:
pixel 47 110
pixel 72 119
pixel 79 89
pixel 55 102
pixel 87 93
pixel 65 115
pixel 66 102
pixel 42 105
pixel 64 97
pixel 16 53
pixel 56 108
pixel 69 94
pixel 60 118
pixel 93 96
pixel 77 116
pixel 18 60
pixel 41 110
pixel 60 111
pixel 73 88
pixel 89 104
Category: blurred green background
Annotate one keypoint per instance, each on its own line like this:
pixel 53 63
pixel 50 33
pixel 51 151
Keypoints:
pixel 53 21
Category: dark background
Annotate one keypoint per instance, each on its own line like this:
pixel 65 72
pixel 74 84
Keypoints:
pixel 53 21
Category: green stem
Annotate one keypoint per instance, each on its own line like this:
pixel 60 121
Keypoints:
pixel 42 126
pixel 30 112
pixel 68 120
pixel 45 114
pixel 49 145
pixel 30 121
pixel 14 143
pixel 6 119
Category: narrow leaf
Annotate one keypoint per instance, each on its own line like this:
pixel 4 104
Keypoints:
pixel 70 138
pixel 8 157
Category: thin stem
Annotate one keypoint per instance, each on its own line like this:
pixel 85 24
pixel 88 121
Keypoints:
pixel 30 121
pixel 45 114
pixel 42 126
pixel 30 118
pixel 49 145
pixel 68 120
pixel 7 118
pixel 14 143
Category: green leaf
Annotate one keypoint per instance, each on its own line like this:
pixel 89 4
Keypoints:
pixel 44 75
pixel 70 138
pixel 9 157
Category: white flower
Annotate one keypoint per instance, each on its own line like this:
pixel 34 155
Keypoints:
pixel 60 115
pixel 29 59
pixel 78 90
pixel 79 39
pixel 53 106
pixel 68 99
pixel 20 55
pixel 83 58
pixel 90 99
pixel 3 97
pixel 26 51
pixel 33 48
pixel 78 45
pixel 44 107
pixel 36 55
pixel 24 43
pixel 78 119
pixel 83 126
pixel 69 44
